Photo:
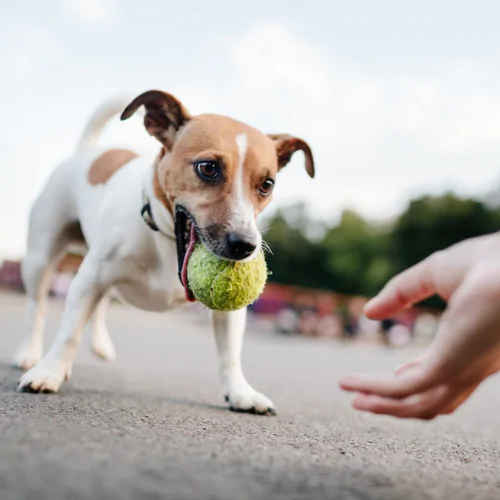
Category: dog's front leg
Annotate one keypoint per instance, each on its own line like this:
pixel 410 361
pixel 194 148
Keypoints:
pixel 83 296
pixel 229 328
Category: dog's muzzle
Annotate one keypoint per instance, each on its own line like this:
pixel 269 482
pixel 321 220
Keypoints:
pixel 186 236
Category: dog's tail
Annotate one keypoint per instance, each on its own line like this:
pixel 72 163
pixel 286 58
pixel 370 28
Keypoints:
pixel 99 120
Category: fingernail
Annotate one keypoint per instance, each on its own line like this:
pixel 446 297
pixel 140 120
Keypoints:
pixel 369 303
pixel 348 381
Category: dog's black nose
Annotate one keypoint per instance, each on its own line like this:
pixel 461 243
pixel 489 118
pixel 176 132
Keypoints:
pixel 239 246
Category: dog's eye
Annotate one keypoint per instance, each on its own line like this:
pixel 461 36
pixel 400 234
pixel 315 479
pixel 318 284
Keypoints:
pixel 266 187
pixel 207 170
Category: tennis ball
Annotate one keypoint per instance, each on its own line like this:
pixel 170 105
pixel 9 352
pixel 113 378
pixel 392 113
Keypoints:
pixel 225 285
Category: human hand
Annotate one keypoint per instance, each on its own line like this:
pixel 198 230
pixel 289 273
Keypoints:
pixel 466 349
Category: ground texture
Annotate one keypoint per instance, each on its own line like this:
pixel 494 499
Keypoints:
pixel 153 424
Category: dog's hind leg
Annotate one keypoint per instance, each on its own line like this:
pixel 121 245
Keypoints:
pixel 51 229
pixel 85 292
pixel 37 270
pixel 102 345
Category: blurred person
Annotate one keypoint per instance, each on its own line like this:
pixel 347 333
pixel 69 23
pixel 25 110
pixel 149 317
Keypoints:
pixel 349 322
pixel 329 326
pixel 369 329
pixel 308 322
pixel 466 349
pixel 353 316
pixel 326 304
pixel 385 327
pixel 399 335
pixel 287 320
pixel 425 328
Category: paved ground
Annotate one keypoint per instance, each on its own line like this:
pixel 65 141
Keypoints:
pixel 152 425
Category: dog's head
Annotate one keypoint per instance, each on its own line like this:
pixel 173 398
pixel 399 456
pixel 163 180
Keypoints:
pixel 216 174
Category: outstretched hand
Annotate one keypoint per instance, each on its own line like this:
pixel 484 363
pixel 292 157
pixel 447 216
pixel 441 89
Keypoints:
pixel 466 349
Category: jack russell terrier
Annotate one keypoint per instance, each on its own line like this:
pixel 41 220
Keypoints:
pixel 214 175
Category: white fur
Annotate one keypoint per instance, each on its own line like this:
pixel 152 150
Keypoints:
pixel 125 257
pixel 229 329
pixel 242 206
pixel 243 217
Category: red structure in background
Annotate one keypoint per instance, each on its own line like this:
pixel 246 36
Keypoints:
pixel 10 272
pixel 10 275
pixel 309 311
pixel 321 313
pixel 277 297
pixel 317 313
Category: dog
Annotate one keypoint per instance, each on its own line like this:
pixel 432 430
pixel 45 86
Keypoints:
pixel 213 177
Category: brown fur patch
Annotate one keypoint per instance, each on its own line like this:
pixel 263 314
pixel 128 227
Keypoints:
pixel 107 164
pixel 187 139
pixel 287 145
pixel 214 137
pixel 165 114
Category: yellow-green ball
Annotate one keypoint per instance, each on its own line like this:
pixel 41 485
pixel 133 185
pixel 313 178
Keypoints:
pixel 223 285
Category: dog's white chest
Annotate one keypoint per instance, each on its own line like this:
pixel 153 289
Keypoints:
pixel 152 284
pixel 151 295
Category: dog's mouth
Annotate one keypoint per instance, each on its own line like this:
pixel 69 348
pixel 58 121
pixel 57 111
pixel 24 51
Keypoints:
pixel 186 237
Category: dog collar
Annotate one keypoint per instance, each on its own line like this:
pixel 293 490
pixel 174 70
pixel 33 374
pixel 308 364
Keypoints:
pixel 147 216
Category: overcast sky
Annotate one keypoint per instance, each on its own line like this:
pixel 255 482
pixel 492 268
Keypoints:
pixel 395 98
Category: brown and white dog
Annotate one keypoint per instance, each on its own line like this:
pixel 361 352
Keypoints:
pixel 213 177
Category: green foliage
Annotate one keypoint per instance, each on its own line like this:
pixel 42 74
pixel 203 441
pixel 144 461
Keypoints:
pixel 295 258
pixel 434 223
pixel 351 257
pixel 356 256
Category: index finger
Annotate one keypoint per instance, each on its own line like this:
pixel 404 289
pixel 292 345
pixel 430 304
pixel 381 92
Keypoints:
pixel 411 286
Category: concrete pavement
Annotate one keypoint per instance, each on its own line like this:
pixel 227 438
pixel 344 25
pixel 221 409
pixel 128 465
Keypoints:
pixel 153 425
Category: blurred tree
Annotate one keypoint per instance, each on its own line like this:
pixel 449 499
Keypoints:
pixel 434 223
pixel 295 258
pixel 351 257
pixel 356 256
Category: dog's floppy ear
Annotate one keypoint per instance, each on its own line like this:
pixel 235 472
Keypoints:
pixel 164 115
pixel 287 145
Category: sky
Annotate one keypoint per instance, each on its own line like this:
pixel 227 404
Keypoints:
pixel 395 98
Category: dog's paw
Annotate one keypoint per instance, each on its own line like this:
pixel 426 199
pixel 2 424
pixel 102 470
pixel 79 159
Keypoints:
pixel 45 376
pixel 27 357
pixel 244 398
pixel 102 346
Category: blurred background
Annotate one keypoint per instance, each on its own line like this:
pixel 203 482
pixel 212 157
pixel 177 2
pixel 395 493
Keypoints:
pixel 399 101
